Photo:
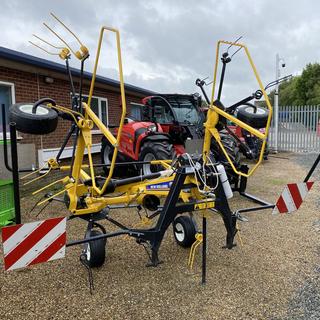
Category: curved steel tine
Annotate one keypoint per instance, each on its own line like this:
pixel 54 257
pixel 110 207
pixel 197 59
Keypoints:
pixel 46 51
pixel 33 172
pixel 234 42
pixel 235 52
pixel 68 29
pixel 38 178
pixel 47 42
pixel 60 38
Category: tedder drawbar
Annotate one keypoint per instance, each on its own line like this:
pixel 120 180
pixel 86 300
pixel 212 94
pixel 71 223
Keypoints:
pixel 188 184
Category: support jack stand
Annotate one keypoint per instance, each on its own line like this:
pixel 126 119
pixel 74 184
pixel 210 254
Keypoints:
pixel 83 260
pixel 154 261
pixel 204 251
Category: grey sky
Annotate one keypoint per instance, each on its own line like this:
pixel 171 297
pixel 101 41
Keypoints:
pixel 167 44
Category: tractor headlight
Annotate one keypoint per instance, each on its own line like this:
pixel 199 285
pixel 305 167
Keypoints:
pixel 152 128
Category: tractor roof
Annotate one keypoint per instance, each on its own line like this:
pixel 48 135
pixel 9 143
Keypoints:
pixel 169 96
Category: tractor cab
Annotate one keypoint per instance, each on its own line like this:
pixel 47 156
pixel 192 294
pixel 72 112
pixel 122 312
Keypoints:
pixel 179 115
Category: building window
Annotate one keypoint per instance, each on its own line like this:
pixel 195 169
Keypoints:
pixel 7 98
pixel 100 108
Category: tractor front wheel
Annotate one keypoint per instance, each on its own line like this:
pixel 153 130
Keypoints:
pixel 106 154
pixel 231 146
pixel 155 150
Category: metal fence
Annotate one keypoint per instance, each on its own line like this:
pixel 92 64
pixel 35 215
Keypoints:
pixel 299 129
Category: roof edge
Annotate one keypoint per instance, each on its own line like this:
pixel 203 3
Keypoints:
pixel 24 58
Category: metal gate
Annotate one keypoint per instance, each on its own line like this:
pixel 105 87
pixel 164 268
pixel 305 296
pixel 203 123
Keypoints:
pixel 299 129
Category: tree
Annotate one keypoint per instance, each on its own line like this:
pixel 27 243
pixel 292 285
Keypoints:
pixel 300 90
pixel 308 85
pixel 288 96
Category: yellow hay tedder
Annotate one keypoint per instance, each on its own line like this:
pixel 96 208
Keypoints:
pixel 191 183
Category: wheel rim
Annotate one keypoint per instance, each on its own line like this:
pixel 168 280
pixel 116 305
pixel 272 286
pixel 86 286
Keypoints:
pixel 147 167
pixel 106 155
pixel 179 232
pixel 251 110
pixel 27 108
pixel 88 252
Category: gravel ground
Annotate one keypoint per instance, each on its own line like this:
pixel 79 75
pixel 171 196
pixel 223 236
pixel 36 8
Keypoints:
pixel 306 160
pixel 275 274
pixel 305 304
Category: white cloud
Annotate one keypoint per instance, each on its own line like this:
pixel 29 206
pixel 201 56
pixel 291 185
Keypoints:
pixel 167 44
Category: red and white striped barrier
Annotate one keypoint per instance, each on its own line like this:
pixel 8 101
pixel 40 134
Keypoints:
pixel 30 243
pixel 292 197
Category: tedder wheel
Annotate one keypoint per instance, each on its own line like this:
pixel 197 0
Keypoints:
pixel 44 121
pixel 254 116
pixel 184 231
pixel 95 251
pixel 155 150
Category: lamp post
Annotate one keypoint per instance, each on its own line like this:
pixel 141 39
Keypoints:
pixel 276 101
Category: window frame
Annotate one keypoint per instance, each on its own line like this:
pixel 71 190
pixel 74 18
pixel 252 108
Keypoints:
pixel 138 106
pixel 13 100
pixel 98 131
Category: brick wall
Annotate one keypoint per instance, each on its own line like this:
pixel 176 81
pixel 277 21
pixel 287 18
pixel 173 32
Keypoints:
pixel 29 87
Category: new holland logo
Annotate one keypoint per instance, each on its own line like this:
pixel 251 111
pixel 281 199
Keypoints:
pixel 159 186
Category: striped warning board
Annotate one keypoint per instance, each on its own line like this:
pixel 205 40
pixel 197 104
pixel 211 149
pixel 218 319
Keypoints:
pixel 292 197
pixel 30 243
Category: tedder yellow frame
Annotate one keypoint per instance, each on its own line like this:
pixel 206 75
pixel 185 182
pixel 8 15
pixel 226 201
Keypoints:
pixel 135 192
pixel 76 185
pixel 189 185
pixel 214 112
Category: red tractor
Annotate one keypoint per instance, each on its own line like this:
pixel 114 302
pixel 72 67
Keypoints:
pixel 249 145
pixel 162 127
pixel 165 126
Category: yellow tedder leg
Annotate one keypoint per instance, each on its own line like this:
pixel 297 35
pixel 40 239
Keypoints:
pixel 195 245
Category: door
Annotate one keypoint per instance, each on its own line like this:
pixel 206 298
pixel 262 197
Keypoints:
pixel 6 99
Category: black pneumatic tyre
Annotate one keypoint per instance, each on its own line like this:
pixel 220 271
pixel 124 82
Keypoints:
pixel 106 154
pixel 231 146
pixel 266 150
pixel 184 231
pixel 44 121
pixel 95 251
pixel 247 114
pixel 155 150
